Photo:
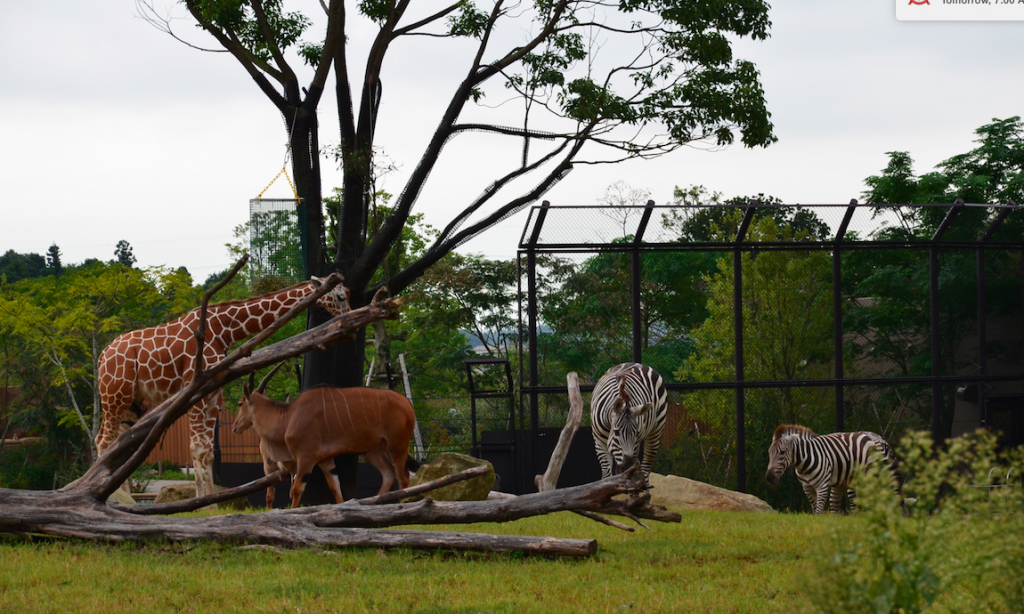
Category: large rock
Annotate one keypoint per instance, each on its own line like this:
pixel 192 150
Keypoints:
pixel 179 491
pixel 447 463
pixel 122 497
pixel 681 494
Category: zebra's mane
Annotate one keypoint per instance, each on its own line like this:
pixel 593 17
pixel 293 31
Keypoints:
pixel 793 429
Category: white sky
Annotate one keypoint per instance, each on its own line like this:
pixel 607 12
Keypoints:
pixel 112 130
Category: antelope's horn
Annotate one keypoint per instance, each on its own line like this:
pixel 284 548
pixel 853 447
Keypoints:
pixel 262 389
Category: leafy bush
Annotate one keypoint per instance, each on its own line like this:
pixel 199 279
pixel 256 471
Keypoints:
pixel 960 551
pixel 30 467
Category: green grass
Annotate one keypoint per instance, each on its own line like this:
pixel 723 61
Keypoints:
pixel 712 562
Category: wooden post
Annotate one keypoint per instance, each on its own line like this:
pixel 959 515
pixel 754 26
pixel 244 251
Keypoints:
pixel 549 481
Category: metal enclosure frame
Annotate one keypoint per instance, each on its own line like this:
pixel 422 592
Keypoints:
pixel 533 244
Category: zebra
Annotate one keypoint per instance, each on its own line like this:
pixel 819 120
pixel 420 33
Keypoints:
pixel 825 463
pixel 628 406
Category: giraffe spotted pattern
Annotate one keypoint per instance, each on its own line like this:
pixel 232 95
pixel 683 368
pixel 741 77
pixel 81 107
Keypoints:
pixel 150 365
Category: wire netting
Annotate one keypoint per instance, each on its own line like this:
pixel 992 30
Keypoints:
pixel 892 329
pixel 276 246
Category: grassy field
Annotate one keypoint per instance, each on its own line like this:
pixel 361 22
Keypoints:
pixel 712 562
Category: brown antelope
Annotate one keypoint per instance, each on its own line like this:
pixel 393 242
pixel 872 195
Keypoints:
pixel 324 422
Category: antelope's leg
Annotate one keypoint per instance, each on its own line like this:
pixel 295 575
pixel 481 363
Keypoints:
pixel 327 466
pixel 378 457
pixel 299 478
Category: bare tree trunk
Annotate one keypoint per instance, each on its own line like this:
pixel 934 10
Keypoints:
pixel 549 481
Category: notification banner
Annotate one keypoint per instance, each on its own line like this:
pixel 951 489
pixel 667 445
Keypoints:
pixel 960 10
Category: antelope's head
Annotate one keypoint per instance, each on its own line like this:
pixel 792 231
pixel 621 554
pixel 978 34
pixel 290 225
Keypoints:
pixel 246 406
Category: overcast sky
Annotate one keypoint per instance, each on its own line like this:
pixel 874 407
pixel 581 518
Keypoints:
pixel 111 130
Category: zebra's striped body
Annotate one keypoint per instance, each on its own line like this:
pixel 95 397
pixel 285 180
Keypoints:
pixel 628 406
pixel 823 463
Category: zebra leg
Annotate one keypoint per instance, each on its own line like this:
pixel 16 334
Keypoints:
pixel 820 499
pixel 603 456
pixel 836 501
pixel 853 495
pixel 651 446
pixel 812 494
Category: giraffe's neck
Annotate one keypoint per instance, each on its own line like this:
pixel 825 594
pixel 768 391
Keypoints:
pixel 233 321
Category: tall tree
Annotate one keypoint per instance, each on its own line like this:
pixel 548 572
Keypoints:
pixel 598 83
pixel 53 260
pixel 123 254
pixel 895 326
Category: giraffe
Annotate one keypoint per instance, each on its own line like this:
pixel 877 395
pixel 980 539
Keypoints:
pixel 151 364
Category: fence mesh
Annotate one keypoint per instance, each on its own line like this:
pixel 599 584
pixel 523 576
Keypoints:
pixel 275 240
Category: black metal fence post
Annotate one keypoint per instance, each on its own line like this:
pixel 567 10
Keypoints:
pixel 837 315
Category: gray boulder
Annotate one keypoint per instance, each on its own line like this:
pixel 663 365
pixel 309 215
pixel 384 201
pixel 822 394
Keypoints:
pixel 179 491
pixel 122 497
pixel 682 494
pixel 447 463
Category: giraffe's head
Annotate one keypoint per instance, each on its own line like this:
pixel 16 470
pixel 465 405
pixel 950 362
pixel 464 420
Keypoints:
pixel 334 302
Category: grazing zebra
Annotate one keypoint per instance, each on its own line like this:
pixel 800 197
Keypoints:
pixel 824 462
pixel 627 407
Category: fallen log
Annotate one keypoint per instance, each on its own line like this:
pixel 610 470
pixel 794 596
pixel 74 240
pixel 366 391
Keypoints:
pixel 79 510
pixel 72 513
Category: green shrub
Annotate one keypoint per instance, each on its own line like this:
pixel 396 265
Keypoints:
pixel 27 467
pixel 960 551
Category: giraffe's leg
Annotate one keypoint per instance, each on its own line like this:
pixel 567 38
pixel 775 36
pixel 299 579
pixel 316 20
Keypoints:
pixel 116 397
pixel 202 422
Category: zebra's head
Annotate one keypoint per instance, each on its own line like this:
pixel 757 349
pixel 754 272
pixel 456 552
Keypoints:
pixel 780 458
pixel 623 443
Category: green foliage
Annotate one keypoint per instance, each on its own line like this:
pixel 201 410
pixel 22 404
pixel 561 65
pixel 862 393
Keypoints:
pixel 123 254
pixel 240 20
pixel 53 262
pixel 459 293
pixel 954 554
pixel 469 21
pixel 38 466
pixel 892 329
pixel 15 267
pixel 53 328
pixel 707 217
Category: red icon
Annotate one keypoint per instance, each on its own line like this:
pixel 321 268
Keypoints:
pixel 920 2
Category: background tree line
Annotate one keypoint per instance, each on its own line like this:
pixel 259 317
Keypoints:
pixel 54 319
